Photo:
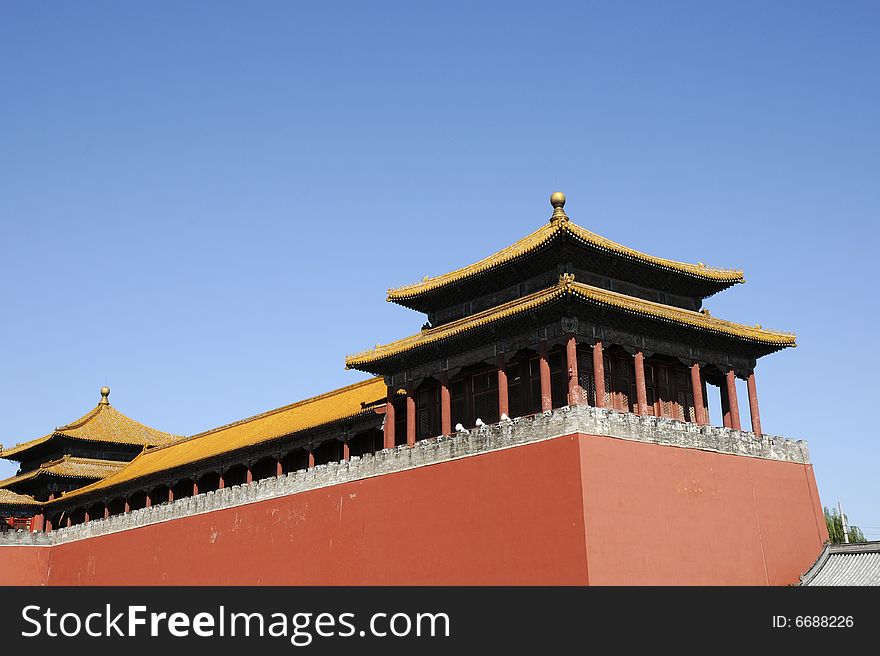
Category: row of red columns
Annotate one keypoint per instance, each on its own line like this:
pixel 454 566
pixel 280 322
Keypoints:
pixel 576 394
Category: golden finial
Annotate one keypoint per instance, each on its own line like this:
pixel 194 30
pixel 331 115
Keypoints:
pixel 566 279
pixel 105 392
pixel 557 200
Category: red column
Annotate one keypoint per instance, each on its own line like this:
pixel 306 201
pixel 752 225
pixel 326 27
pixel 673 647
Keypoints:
pixel 410 415
pixel 69 521
pixel 544 371
pixel 39 523
pixel 641 386
pixel 445 405
pixel 697 391
pixel 599 374
pixel 346 451
pixel 503 395
pixel 86 517
pixel 279 468
pixel 127 507
pixel 249 475
pixel 149 501
pixel 389 419
pixel 312 457
pixel 170 493
pixel 725 405
pixel 106 511
pixel 195 488
pixel 575 395
pixel 731 400
pixel 221 482
pixel 753 405
pixel 48 522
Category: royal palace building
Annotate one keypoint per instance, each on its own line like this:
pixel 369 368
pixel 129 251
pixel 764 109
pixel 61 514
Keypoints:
pixel 551 422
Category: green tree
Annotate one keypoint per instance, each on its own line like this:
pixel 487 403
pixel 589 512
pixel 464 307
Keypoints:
pixel 835 528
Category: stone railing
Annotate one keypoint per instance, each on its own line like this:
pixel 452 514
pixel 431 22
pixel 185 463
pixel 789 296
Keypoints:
pixel 506 434
pixel 25 539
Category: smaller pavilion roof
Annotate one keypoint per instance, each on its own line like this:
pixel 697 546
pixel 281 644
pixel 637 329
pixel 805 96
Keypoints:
pixel 10 498
pixel 69 467
pixel 102 424
pixel 845 564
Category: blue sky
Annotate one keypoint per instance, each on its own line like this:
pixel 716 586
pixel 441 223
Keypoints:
pixel 203 203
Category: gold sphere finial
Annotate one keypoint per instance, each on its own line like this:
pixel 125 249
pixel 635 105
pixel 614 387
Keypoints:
pixel 557 200
pixel 105 392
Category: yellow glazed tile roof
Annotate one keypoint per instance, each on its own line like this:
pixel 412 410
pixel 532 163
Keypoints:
pixel 102 424
pixel 333 406
pixel 69 467
pixel 560 226
pixel 588 293
pixel 10 498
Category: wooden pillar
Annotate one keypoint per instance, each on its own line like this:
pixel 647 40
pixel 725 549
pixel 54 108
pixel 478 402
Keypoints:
pixel 753 405
pixel 86 517
pixel 39 522
pixel 641 386
pixel 389 419
pixel 410 415
pixel 149 502
pixel 170 492
pixel 48 522
pixel 503 395
pixel 445 405
pixel 195 488
pixel 599 374
pixel 249 475
pixel 725 405
pixel 312 454
pixel 575 393
pixel 69 520
pixel 221 481
pixel 697 391
pixel 730 380
pixel 346 451
pixel 279 468
pixel 544 372
pixel 127 508
pixel 106 511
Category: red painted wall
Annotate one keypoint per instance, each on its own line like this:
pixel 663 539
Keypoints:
pixel 571 510
pixel 661 515
pixel 24 565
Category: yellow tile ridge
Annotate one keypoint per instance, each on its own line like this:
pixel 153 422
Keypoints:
pixel 545 234
pixel 568 286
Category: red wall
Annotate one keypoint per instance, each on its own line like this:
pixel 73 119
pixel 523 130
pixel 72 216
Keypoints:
pixel 660 515
pixel 571 510
pixel 24 565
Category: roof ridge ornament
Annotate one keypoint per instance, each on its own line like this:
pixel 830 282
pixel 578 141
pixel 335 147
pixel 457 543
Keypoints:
pixel 105 393
pixel 557 200
pixel 566 280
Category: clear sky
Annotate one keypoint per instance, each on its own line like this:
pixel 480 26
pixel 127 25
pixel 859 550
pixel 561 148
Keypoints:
pixel 203 203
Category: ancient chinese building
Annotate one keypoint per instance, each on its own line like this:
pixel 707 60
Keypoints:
pixel 98 444
pixel 550 423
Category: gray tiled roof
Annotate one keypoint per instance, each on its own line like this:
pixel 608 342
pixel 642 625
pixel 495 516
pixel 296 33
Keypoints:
pixel 846 564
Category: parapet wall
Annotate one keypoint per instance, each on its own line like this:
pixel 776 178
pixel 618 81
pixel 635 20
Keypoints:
pixel 564 421
pixel 580 495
